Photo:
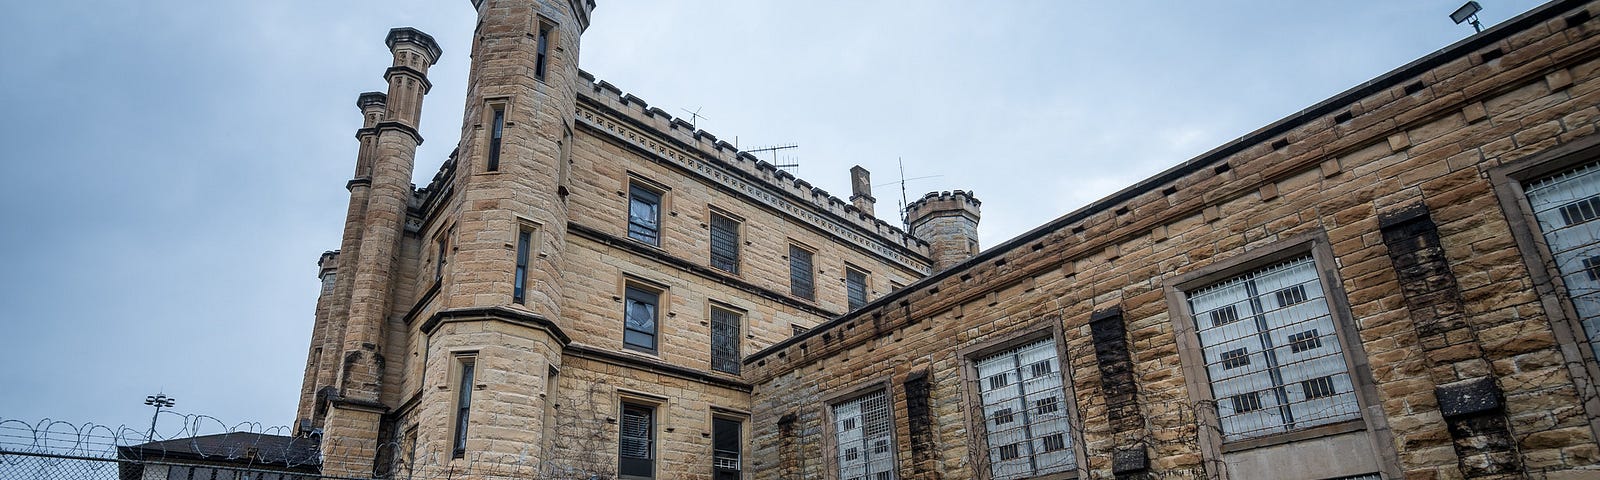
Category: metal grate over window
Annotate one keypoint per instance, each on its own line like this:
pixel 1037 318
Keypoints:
pixel 1566 205
pixel 800 273
pixel 724 341
pixel 1274 363
pixel 724 243
pixel 855 287
pixel 1027 429
pixel 864 433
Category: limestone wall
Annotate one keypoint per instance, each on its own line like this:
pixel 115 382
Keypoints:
pixel 1344 172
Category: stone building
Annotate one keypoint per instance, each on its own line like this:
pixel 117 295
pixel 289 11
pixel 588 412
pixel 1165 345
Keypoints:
pixel 1397 282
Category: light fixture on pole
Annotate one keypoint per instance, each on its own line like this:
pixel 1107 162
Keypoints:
pixel 1466 13
pixel 158 400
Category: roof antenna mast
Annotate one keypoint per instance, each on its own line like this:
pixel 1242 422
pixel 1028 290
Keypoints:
pixel 793 162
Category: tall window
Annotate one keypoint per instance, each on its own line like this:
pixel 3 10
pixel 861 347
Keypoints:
pixel 864 433
pixel 540 58
pixel 644 215
pixel 724 340
pixel 463 403
pixel 855 287
pixel 639 319
pixel 519 285
pixel 438 264
pixel 1273 357
pixel 724 243
pixel 1025 412
pixel 800 273
pixel 636 448
pixel 725 461
pixel 496 131
pixel 1566 206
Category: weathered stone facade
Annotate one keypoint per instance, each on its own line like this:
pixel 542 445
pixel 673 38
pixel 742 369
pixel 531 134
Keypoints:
pixel 510 295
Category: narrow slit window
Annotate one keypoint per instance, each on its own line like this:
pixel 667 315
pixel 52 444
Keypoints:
pixel 463 403
pixel 519 284
pixel 496 132
pixel 543 55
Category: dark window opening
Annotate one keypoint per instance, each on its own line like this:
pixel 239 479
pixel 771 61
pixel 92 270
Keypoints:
pixel 1318 387
pixel 1042 368
pixel 1292 295
pixel 1246 402
pixel 1011 451
pixel 1047 405
pixel 639 319
pixel 1223 316
pixel 725 341
pixel 1235 358
pixel 1303 341
pixel 725 457
pixel 496 132
pixel 800 273
pixel 644 215
pixel 724 244
pixel 1003 416
pixel 855 286
pixel 543 52
pixel 463 405
pixel 636 448
pixel 519 284
pixel 1055 442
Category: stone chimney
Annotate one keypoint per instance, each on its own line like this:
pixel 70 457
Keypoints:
pixel 861 190
pixel 948 221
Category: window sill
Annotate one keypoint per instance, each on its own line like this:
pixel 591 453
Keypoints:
pixel 1295 436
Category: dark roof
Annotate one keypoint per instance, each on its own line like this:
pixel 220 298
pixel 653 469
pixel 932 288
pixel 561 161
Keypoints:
pixel 238 447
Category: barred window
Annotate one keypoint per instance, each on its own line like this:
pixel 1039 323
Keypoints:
pixel 639 319
pixel 800 273
pixel 863 431
pixel 724 243
pixel 1566 205
pixel 855 287
pixel 725 340
pixel 644 215
pixel 636 445
pixel 1026 428
pixel 1263 334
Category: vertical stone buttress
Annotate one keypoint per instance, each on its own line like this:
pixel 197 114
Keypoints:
pixel 333 308
pixel 356 411
pixel 948 221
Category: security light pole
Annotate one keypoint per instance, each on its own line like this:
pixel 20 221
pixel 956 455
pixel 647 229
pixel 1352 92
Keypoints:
pixel 158 400
pixel 1468 12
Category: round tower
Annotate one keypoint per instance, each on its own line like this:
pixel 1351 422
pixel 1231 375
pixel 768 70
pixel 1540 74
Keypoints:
pixel 948 221
pixel 497 330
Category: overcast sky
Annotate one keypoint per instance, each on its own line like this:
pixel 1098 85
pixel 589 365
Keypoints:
pixel 174 168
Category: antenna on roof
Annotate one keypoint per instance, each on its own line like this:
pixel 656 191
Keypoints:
pixel 794 163
pixel 903 199
pixel 694 116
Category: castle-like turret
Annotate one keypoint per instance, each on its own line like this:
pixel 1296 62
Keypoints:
pixel 948 221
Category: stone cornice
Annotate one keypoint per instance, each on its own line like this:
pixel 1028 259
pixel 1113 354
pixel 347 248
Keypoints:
pixel 413 36
pixel 503 314
pixel 655 366
pixel 402 69
pixel 358 182
pixel 401 127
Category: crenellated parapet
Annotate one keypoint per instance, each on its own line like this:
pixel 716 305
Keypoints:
pixel 608 109
pixel 948 221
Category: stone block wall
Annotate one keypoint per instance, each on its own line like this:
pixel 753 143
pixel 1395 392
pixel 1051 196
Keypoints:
pixel 1425 135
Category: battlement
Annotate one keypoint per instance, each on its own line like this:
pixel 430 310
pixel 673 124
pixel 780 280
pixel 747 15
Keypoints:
pixel 329 259
pixel 683 135
pixel 948 202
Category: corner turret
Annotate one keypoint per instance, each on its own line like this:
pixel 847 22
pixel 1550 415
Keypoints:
pixel 948 221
